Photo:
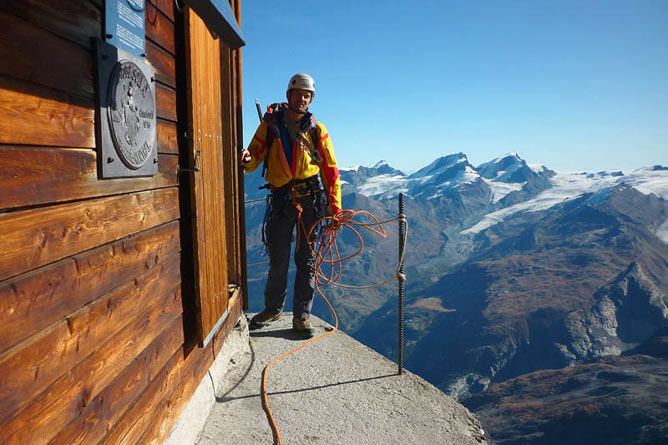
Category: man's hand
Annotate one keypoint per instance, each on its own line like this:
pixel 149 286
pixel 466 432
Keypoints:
pixel 338 218
pixel 245 156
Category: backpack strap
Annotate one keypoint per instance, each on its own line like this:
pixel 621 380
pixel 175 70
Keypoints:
pixel 316 139
pixel 312 149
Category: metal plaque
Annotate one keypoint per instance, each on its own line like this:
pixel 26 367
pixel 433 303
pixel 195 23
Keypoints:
pixel 131 114
pixel 126 118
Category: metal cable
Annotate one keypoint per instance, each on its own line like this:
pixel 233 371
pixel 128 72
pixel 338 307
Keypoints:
pixel 255 200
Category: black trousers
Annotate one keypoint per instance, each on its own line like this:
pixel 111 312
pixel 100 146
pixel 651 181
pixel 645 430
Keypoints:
pixel 279 235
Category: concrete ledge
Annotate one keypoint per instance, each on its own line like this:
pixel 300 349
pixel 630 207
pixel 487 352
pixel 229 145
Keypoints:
pixel 335 391
pixel 193 418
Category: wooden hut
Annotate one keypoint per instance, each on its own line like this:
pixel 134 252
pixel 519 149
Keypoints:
pixel 117 290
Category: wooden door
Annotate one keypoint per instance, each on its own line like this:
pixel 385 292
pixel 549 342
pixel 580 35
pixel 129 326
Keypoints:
pixel 207 177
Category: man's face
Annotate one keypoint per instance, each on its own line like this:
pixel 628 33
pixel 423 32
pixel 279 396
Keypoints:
pixel 299 100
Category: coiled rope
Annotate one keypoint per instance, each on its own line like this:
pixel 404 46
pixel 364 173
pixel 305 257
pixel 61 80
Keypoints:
pixel 326 252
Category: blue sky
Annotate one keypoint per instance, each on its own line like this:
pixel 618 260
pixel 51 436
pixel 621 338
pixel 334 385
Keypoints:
pixel 575 85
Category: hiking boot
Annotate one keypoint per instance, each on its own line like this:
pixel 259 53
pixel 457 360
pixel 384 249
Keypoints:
pixel 302 326
pixel 263 318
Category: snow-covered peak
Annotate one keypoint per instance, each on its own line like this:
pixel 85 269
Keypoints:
pixel 383 185
pixel 445 173
pixel 509 157
pixel 649 180
pixel 442 164
pixel 572 185
pixel 380 164
pixel 502 168
pixel 538 168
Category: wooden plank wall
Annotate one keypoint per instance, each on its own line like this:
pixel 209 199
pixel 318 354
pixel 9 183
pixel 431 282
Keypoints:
pixel 92 338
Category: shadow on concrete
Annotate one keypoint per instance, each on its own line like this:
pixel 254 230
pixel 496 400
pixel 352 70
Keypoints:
pixel 287 334
pixel 312 388
pixel 223 397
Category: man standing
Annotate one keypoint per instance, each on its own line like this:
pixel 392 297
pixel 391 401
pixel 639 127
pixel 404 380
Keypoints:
pixel 295 149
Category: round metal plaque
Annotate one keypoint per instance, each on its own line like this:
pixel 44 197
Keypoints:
pixel 131 111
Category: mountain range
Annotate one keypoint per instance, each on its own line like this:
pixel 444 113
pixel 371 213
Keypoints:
pixel 513 269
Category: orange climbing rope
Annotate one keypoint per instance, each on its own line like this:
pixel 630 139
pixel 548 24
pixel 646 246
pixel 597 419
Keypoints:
pixel 326 252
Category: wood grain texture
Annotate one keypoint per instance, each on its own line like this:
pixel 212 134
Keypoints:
pixel 55 62
pixel 230 164
pixel 165 6
pixel 163 62
pixel 35 364
pixel 31 176
pixel 58 290
pixel 109 405
pixel 66 398
pixel 132 425
pixel 165 102
pixel 36 115
pixel 193 371
pixel 151 418
pixel 34 238
pixel 75 20
pixel 159 29
pixel 205 122
pixel 167 138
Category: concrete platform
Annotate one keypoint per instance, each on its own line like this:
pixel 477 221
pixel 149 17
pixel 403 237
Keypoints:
pixel 335 391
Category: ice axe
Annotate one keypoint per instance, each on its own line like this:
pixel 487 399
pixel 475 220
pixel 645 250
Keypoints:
pixel 259 108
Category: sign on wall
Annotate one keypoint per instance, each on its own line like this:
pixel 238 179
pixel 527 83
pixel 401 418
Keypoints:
pixel 126 119
pixel 124 25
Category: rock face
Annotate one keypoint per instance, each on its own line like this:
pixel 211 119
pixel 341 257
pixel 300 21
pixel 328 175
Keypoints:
pixel 626 312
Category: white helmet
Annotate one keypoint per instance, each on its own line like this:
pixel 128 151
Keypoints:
pixel 302 81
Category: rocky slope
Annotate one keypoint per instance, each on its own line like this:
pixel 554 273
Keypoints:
pixel 616 400
pixel 585 279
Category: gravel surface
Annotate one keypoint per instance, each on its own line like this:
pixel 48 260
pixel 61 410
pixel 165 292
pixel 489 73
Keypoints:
pixel 335 391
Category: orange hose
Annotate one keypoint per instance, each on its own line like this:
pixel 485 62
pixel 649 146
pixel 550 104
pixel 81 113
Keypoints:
pixel 326 251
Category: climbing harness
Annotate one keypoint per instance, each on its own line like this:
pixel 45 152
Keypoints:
pixel 326 252
pixel 280 198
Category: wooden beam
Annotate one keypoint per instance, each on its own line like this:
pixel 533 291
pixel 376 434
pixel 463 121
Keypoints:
pixel 163 62
pixel 151 418
pixel 35 364
pixel 75 20
pixel 35 115
pixel 34 238
pixel 138 417
pixel 62 402
pixel 54 62
pixel 165 102
pixel 194 370
pixel 165 6
pixel 167 139
pixel 91 424
pixel 159 29
pixel 60 289
pixel 31 176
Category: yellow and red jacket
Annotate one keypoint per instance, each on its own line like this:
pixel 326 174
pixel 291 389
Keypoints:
pixel 267 142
